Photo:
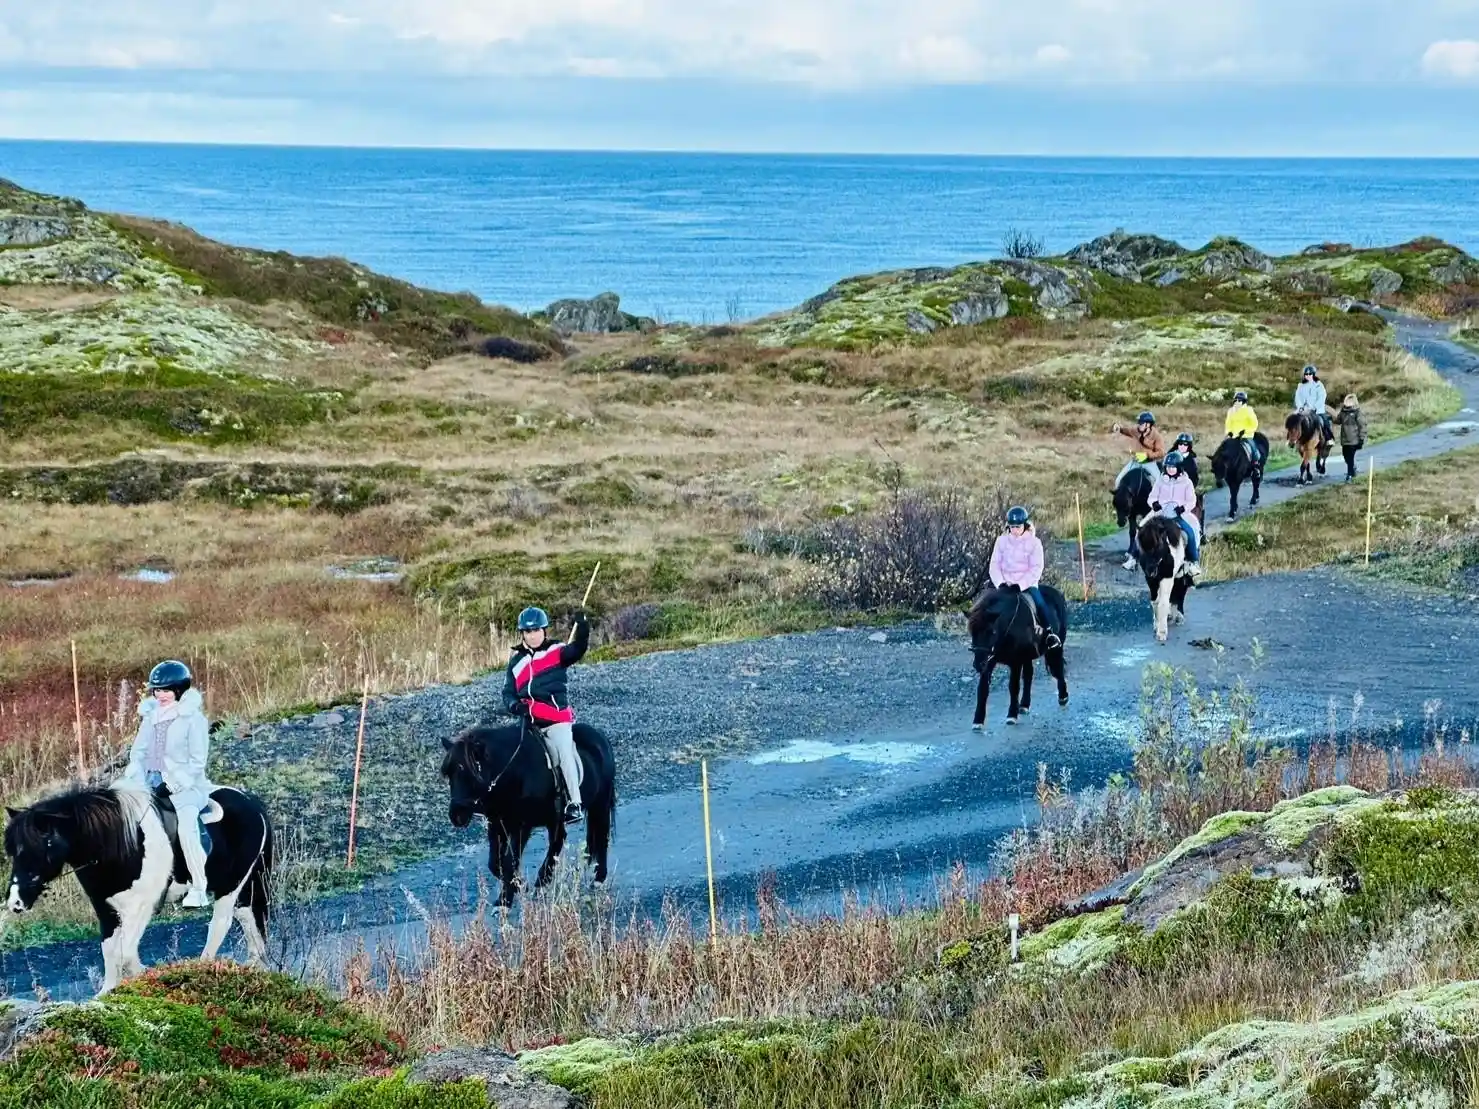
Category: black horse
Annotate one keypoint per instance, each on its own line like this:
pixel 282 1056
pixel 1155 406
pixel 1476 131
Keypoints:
pixel 1162 557
pixel 1191 468
pixel 1306 434
pixel 1004 629
pixel 120 844
pixel 504 773
pixel 1132 500
pixel 1231 466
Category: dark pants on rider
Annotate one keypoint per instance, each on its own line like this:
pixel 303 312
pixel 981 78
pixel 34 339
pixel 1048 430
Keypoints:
pixel 1045 614
pixel 1193 547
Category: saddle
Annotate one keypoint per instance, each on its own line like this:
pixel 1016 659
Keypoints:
pixel 1250 448
pixel 164 805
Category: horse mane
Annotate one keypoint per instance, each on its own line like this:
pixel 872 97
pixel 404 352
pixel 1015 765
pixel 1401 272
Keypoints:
pixel 107 818
pixel 1157 536
pixel 459 749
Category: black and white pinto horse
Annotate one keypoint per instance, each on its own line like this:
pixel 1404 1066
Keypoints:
pixel 1162 557
pixel 117 842
pixel 504 774
pixel 1004 630
pixel 1231 466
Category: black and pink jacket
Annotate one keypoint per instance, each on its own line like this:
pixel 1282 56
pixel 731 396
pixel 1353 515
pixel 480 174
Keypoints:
pixel 537 678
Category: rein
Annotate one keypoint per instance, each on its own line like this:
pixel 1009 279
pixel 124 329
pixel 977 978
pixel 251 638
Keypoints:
pixel 523 731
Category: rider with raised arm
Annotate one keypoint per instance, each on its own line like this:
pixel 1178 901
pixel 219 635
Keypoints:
pixel 1310 397
pixel 535 688
pixel 1017 559
pixel 1149 448
pixel 1174 496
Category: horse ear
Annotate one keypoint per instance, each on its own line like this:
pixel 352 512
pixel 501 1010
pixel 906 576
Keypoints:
pixel 14 814
pixel 446 743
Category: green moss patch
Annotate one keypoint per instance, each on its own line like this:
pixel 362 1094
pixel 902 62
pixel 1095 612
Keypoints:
pixel 216 1036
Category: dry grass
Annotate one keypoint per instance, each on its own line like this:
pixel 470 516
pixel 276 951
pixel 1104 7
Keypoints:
pixel 1426 511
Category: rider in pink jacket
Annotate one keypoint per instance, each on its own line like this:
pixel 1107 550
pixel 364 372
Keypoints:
pixel 1017 559
pixel 1174 495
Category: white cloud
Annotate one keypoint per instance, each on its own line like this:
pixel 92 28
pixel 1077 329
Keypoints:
pixel 1456 60
pixel 823 43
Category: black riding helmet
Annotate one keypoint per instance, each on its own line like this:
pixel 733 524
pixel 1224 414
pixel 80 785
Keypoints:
pixel 1184 437
pixel 171 674
pixel 532 619
pixel 1146 418
pixel 1017 515
pixel 1176 459
pixel 1240 395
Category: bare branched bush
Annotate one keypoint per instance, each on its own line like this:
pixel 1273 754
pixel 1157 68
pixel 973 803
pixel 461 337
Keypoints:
pixel 1017 243
pixel 922 550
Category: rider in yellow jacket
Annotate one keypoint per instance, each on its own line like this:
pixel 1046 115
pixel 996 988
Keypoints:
pixel 1241 420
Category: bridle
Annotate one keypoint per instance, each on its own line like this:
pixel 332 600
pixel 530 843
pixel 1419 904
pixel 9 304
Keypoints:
pixel 493 784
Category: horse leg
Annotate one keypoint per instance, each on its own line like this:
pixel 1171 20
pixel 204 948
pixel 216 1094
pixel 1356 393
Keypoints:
pixel 1058 668
pixel 598 836
pixel 1027 687
pixel 1162 609
pixel 500 863
pixel 1257 482
pixel 1014 684
pixel 108 927
pixel 221 912
pixel 1232 499
pixel 983 691
pixel 551 855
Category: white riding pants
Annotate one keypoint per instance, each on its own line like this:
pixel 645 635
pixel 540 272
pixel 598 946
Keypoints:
pixel 190 845
pixel 560 739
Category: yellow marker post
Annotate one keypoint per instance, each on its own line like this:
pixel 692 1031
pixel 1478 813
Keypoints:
pixel 1370 491
pixel 709 857
pixel 359 750
pixel 589 586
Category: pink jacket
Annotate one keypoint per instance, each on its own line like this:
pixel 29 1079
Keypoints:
pixel 1169 492
pixel 1017 561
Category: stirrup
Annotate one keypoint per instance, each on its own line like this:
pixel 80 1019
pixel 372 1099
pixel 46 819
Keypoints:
pixel 574 814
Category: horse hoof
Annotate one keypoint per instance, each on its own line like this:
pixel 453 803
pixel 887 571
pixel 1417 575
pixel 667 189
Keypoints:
pixel 978 727
pixel 1011 721
pixel 1062 701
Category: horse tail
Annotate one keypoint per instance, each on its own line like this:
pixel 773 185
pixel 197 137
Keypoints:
pixel 260 883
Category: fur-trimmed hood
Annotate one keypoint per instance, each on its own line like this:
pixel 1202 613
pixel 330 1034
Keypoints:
pixel 191 704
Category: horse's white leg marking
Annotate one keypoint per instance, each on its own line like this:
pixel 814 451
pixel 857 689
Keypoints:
pixel 221 920
pixel 135 905
pixel 255 941
pixel 110 964
pixel 14 901
pixel 1162 608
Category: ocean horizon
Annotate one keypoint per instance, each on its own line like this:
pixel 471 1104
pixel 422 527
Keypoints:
pixel 710 237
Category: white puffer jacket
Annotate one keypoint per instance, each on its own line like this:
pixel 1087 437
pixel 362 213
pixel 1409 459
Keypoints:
pixel 186 748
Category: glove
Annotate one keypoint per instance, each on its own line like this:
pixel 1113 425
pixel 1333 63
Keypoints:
pixel 1180 510
pixel 1141 456
pixel 1155 506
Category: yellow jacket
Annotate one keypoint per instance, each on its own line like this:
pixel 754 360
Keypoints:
pixel 1241 420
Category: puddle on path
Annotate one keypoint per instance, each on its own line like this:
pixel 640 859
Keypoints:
pixel 874 754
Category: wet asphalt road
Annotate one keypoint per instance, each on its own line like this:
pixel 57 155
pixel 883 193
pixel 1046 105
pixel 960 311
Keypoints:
pixel 856 768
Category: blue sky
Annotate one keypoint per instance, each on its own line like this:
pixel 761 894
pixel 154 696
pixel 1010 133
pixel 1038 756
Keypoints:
pixel 1317 77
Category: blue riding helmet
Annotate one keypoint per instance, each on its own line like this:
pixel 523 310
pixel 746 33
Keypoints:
pixel 1184 437
pixel 1310 371
pixel 1240 396
pixel 1017 515
pixel 532 619
pixel 1146 418
pixel 170 674
pixel 1176 459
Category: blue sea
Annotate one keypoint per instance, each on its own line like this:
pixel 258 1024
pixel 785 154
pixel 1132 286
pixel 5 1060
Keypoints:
pixel 706 237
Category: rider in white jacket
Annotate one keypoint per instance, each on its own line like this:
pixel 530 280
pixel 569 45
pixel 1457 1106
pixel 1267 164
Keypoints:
pixel 171 748
pixel 1310 396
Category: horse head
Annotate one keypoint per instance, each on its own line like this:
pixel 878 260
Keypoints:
pixel 1132 490
pixel 1294 428
pixel 38 842
pixel 465 766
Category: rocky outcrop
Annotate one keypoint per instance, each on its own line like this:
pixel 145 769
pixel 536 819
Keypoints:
pixel 1057 295
pixel 18 229
pixel 1224 258
pixel 1123 255
pixel 601 314
pixel 508 1086
pixel 1385 282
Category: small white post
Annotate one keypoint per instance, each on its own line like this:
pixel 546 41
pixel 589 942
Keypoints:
pixel 1015 921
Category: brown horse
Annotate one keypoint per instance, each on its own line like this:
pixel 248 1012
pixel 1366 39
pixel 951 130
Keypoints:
pixel 1304 432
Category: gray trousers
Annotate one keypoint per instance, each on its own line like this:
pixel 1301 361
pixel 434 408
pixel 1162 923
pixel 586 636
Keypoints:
pixel 560 739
